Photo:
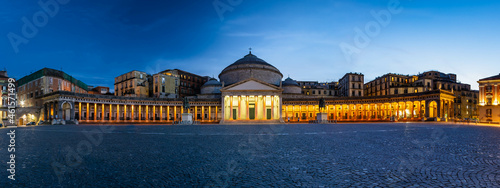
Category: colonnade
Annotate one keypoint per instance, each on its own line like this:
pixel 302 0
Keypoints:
pixel 92 112
pixel 252 107
pixel 401 110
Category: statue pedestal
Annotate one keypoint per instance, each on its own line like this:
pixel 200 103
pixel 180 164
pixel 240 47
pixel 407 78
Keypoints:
pixel 187 119
pixel 322 117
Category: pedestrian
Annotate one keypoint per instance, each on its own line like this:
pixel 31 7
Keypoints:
pixel 288 119
pixel 298 120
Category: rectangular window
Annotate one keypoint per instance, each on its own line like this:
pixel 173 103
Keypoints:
pixel 488 112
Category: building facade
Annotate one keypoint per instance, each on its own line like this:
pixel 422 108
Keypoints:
pixel 466 104
pixel 489 110
pixel 352 85
pixel 166 85
pixel 189 83
pixel 250 90
pixel 31 88
pixel 393 84
pixel 4 86
pixel 319 88
pixel 132 84
pixel 100 90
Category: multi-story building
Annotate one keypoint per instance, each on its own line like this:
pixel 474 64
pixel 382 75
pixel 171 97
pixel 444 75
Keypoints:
pixel 319 88
pixel 396 84
pixel 4 93
pixel 253 91
pixel 351 85
pixel 46 81
pixel 132 84
pixel 31 88
pixel 189 83
pixel 165 85
pixel 466 104
pixel 99 90
pixel 393 84
pixel 489 92
pixel 443 81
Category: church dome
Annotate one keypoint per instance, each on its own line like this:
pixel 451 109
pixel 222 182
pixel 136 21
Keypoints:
pixel 212 86
pixel 291 86
pixel 290 82
pixel 250 66
pixel 212 82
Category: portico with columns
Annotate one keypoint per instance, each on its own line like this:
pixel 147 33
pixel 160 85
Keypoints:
pixel 251 100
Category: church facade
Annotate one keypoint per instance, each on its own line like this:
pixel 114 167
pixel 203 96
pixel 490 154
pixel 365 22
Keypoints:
pixel 250 90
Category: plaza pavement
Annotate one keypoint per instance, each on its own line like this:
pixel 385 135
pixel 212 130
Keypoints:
pixel 302 155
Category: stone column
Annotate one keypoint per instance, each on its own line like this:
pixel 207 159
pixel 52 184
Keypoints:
pixel 175 113
pixel 59 110
pixel 239 108
pixel 279 108
pixel 80 111
pixel 102 112
pixel 168 113
pixel 117 112
pixel 248 107
pixel 88 112
pixel 195 113
pixel 202 113
pixel 110 112
pixel 231 107
pixel 495 100
pixel 132 115
pixel 438 111
pixel 45 112
pixel 154 113
pixel 124 112
pixel 72 111
pixel 264 117
pixel 272 107
pixel 140 113
pixel 223 99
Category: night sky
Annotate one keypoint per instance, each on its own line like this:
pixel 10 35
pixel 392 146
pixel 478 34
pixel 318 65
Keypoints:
pixel 95 41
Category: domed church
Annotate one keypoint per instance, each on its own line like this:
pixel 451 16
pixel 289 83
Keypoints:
pixel 251 91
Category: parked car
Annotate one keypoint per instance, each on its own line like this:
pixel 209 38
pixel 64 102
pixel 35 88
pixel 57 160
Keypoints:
pixel 31 123
pixel 40 122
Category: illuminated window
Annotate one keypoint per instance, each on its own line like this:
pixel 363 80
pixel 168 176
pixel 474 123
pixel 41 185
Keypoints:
pixel 488 88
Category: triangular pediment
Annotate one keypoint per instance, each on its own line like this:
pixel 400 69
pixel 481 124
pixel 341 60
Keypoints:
pixel 251 84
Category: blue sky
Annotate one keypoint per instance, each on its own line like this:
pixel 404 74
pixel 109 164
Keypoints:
pixel 96 41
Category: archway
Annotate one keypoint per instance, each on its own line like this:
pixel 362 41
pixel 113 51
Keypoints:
pixel 432 109
pixel 66 111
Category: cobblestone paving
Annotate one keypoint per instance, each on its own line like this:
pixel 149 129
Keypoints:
pixel 306 155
